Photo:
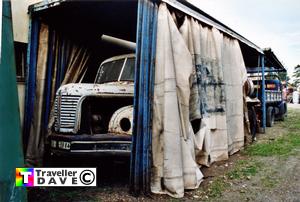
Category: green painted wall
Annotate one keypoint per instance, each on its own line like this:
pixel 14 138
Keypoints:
pixel 10 133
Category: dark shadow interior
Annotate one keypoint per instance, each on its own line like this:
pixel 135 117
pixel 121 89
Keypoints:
pixel 250 55
pixel 86 21
pixel 94 107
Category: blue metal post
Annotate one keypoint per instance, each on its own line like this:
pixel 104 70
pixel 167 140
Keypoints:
pixel 140 169
pixel 263 93
pixel 286 84
pixel 30 78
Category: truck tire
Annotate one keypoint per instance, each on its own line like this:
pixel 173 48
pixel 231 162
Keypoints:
pixel 282 117
pixel 253 122
pixel 270 116
pixel 284 112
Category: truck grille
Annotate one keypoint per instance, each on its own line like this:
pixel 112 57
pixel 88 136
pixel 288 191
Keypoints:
pixel 273 96
pixel 65 112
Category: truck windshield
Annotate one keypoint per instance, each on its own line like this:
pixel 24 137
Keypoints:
pixel 128 71
pixel 110 71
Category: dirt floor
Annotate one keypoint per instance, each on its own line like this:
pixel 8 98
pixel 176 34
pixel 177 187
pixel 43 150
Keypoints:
pixel 268 170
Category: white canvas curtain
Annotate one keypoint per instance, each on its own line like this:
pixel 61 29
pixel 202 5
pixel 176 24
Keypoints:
pixel 205 45
pixel 199 74
pixel 174 163
pixel 235 75
pixel 76 63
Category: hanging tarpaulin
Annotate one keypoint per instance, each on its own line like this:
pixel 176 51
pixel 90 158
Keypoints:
pixel 54 60
pixel 199 75
pixel 35 143
pixel 174 165
pixel 205 45
pixel 235 75
pixel 221 73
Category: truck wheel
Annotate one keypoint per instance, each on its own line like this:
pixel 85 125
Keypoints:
pixel 270 117
pixel 282 117
pixel 284 113
pixel 253 122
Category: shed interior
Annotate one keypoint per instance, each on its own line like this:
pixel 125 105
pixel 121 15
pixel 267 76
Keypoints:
pixel 86 21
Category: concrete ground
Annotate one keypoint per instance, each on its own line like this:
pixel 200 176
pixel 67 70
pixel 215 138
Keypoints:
pixel 294 106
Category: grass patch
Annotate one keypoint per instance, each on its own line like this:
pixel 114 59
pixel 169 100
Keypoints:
pixel 217 187
pixel 280 147
pixel 269 182
pixel 244 169
pixel 292 122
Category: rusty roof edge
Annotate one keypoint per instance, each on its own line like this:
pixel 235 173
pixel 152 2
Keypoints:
pixel 45 4
pixel 211 21
pixel 271 56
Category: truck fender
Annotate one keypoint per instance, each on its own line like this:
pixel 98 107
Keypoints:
pixel 121 121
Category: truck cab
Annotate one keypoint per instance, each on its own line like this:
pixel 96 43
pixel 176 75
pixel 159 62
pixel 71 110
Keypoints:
pixel 96 118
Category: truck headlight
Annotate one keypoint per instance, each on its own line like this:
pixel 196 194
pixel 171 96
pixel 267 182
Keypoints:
pixel 53 143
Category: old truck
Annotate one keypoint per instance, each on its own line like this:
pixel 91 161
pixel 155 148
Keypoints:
pixel 266 100
pixel 276 107
pixel 96 118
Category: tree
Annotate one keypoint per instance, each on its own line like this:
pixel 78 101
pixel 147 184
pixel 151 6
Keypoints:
pixel 296 76
pixel 283 76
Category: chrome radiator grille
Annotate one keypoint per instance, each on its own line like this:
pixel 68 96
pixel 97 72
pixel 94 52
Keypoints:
pixel 65 112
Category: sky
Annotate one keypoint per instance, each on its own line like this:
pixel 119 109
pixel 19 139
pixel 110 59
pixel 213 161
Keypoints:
pixel 267 23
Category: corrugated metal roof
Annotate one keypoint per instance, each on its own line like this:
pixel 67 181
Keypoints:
pixel 44 5
pixel 197 13
pixel 272 61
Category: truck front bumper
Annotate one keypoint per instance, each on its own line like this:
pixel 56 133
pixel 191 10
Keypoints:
pixel 95 145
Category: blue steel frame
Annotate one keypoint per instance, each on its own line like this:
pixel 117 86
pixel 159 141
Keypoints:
pixel 263 97
pixel 31 77
pixel 267 69
pixel 140 168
